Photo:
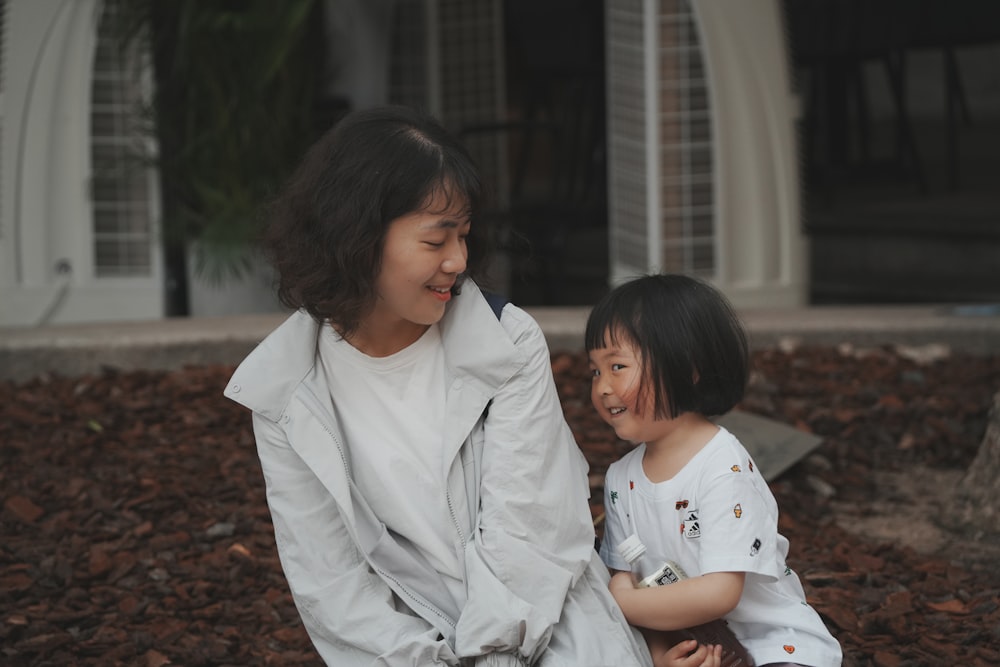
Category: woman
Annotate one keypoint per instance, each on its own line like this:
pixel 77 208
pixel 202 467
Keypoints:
pixel 429 502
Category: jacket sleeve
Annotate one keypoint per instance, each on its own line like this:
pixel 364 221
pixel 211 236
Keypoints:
pixel 535 534
pixel 351 616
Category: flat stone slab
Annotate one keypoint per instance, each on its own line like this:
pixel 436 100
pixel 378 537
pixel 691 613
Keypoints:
pixel 774 446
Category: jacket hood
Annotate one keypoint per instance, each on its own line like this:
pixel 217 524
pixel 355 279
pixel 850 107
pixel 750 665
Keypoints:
pixel 477 348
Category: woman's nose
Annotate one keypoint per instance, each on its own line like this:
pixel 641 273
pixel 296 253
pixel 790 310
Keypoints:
pixel 456 259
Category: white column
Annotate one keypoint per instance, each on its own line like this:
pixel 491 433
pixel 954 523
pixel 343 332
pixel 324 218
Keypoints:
pixel 762 252
pixel 651 103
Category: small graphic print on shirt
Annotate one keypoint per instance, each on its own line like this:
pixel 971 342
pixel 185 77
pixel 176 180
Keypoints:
pixel 789 649
pixel 750 463
pixel 614 497
pixel 680 504
pixel 755 547
pixel 738 510
pixel 631 485
pixel 692 530
pixel 736 468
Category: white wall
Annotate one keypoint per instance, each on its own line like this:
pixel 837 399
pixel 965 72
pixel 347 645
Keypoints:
pixel 761 245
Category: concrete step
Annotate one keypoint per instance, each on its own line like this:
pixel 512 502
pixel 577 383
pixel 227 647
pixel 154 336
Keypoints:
pixel 72 350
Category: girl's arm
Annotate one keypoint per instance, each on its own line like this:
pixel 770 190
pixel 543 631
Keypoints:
pixel 679 605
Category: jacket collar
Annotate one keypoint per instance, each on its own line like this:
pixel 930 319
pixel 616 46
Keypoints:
pixel 477 350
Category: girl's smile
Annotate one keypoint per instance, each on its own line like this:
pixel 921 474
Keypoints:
pixel 617 376
pixel 617 393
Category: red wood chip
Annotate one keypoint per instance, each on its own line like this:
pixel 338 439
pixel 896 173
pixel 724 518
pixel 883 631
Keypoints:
pixel 950 606
pixel 109 555
pixel 23 509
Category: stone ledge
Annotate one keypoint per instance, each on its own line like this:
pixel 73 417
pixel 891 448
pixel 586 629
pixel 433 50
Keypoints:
pixel 72 350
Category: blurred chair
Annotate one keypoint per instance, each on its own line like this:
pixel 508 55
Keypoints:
pixel 832 40
pixel 948 26
pixel 555 137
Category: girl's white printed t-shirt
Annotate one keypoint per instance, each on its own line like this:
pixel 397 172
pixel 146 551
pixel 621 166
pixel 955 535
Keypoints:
pixel 718 515
pixel 392 412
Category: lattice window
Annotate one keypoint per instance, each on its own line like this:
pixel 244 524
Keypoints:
pixel 3 81
pixel 121 185
pixel 627 172
pixel 408 60
pixel 448 59
pixel 659 137
pixel 687 211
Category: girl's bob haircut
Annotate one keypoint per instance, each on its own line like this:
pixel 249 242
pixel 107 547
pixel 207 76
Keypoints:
pixel 691 343
pixel 327 227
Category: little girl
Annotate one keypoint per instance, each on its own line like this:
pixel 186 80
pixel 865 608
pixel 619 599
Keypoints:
pixel 667 352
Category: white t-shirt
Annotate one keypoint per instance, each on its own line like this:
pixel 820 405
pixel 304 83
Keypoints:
pixel 718 515
pixel 392 412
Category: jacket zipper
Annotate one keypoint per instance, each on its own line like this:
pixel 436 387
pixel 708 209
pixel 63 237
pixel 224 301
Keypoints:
pixel 318 414
pixel 454 520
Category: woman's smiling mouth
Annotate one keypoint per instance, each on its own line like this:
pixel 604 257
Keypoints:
pixel 442 293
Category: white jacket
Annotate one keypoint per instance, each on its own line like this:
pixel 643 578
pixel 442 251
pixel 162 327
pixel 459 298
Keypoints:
pixel 537 592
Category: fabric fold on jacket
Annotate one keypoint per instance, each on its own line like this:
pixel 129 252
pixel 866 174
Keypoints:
pixel 529 559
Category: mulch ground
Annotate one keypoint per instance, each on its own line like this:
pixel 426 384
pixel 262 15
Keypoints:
pixel 135 530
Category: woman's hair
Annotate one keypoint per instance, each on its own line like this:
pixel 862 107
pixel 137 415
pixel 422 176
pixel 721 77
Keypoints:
pixel 327 227
pixel 691 344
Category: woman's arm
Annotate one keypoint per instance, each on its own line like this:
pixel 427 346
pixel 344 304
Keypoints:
pixel 345 607
pixel 679 605
pixel 535 535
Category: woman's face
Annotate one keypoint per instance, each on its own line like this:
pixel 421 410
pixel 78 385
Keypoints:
pixel 423 255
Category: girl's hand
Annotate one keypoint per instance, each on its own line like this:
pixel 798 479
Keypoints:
pixel 677 656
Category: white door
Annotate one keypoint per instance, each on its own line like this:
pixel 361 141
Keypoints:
pixel 77 226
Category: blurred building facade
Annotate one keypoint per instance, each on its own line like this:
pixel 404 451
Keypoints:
pixel 618 137
pixel 77 211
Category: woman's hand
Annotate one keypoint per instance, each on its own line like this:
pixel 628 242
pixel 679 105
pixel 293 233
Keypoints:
pixel 681 655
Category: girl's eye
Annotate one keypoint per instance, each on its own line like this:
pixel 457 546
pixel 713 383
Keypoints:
pixel 617 367
pixel 594 372
pixel 434 245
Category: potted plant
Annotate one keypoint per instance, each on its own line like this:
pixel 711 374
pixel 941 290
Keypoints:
pixel 234 102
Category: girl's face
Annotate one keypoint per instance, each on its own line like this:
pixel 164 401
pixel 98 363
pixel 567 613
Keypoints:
pixel 423 255
pixel 617 374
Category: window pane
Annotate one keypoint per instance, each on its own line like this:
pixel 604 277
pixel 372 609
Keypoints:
pixel 120 193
